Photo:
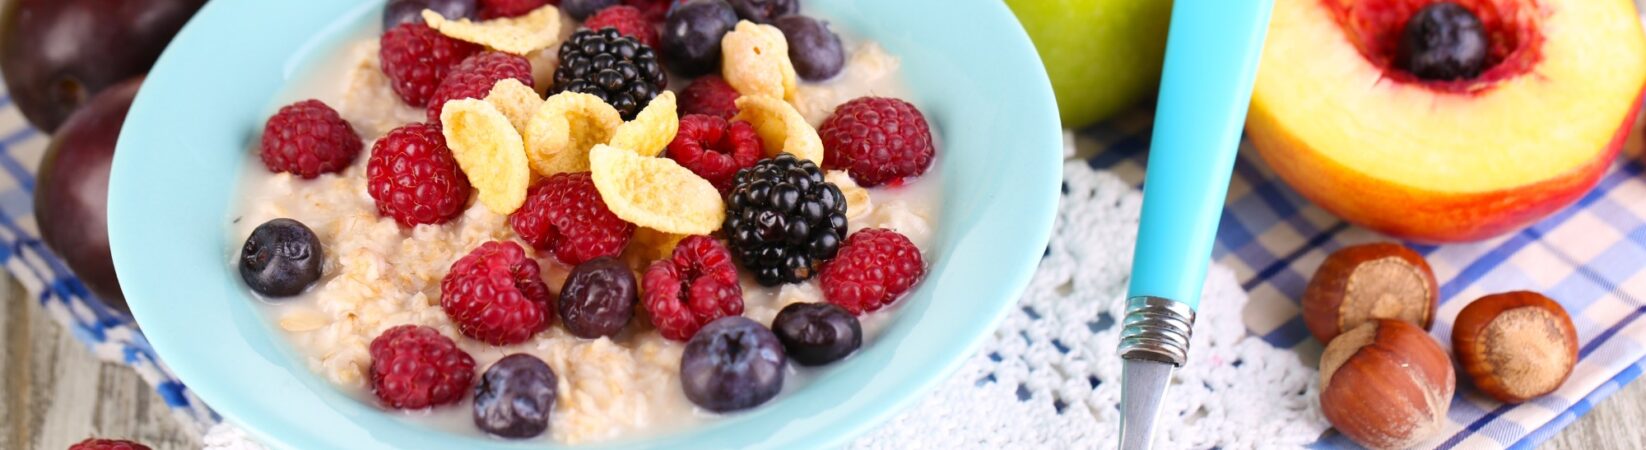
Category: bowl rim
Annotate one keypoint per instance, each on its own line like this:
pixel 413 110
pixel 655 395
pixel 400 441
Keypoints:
pixel 141 240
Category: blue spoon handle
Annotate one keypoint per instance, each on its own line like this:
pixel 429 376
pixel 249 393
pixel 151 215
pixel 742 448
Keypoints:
pixel 1211 64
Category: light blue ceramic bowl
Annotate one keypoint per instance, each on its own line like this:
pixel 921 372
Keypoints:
pixel 176 180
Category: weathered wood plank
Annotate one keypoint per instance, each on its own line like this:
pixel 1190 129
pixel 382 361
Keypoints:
pixel 57 393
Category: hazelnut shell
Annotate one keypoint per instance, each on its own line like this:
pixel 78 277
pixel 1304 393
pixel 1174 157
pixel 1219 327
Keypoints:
pixel 1386 384
pixel 1369 281
pixel 1515 346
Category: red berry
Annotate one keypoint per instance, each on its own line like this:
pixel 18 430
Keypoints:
pixel 475 76
pixel 877 140
pixel 497 9
pixel 496 294
pixel 874 267
pixel 414 178
pixel 416 58
pixel 653 10
pixel 628 21
pixel 307 139
pixel 565 215
pixel 694 286
pixel 709 95
pixel 415 367
pixel 107 444
pixel 715 149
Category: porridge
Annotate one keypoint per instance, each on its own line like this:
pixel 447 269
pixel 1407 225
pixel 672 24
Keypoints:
pixel 408 267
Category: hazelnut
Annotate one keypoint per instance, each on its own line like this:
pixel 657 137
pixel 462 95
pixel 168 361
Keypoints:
pixel 1386 384
pixel 1515 345
pixel 1371 281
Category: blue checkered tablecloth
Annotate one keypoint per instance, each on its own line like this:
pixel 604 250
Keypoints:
pixel 1591 257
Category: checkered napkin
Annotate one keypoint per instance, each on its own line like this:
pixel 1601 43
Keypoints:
pixel 1591 257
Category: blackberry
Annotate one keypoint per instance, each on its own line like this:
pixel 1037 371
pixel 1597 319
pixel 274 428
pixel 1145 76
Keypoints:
pixel 783 220
pixel 618 69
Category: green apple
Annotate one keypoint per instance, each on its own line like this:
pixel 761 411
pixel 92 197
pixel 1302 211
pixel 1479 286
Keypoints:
pixel 1102 55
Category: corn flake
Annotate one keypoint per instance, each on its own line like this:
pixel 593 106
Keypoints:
pixel 858 204
pixel 490 152
pixel 649 245
pixel 536 30
pixel 516 101
pixel 561 132
pixel 655 193
pixel 755 61
pixel 781 128
pixel 652 129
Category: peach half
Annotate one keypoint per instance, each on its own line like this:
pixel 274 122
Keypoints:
pixel 1447 161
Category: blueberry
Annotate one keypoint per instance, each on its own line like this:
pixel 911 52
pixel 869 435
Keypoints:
pixel 814 334
pixel 692 32
pixel 281 258
pixel 733 363
pixel 765 11
pixel 582 9
pixel 598 298
pixel 411 11
pixel 815 50
pixel 1443 41
pixel 515 396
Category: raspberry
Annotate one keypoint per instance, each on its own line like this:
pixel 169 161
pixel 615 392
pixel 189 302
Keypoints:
pixel 877 140
pixel 875 266
pixel 628 21
pixel 691 288
pixel 498 9
pixel 416 58
pixel 475 76
pixel 653 10
pixel 415 367
pixel 709 95
pixel 414 178
pixel 107 444
pixel 565 215
pixel 496 294
pixel 307 139
pixel 715 149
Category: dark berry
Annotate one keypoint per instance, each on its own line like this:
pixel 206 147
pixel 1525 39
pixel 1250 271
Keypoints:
pixel 628 21
pixel 598 298
pixel 107 444
pixel 692 287
pixel 1443 42
pixel 496 294
pixel 413 177
pixel 815 51
pixel 515 397
pixel 281 258
pixel 652 10
pixel 765 11
pixel 783 220
pixel 715 149
pixel 732 364
pixel 397 12
pixel 877 140
pixel 415 367
pixel 498 9
pixel 691 35
pixel 875 268
pixel 582 9
pixel 709 95
pixel 617 69
pixel 815 334
pixel 307 139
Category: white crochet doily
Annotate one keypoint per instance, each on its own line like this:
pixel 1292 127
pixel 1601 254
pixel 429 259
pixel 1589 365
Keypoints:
pixel 1049 377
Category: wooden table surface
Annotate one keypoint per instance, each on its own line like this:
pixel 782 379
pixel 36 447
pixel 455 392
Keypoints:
pixel 57 393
